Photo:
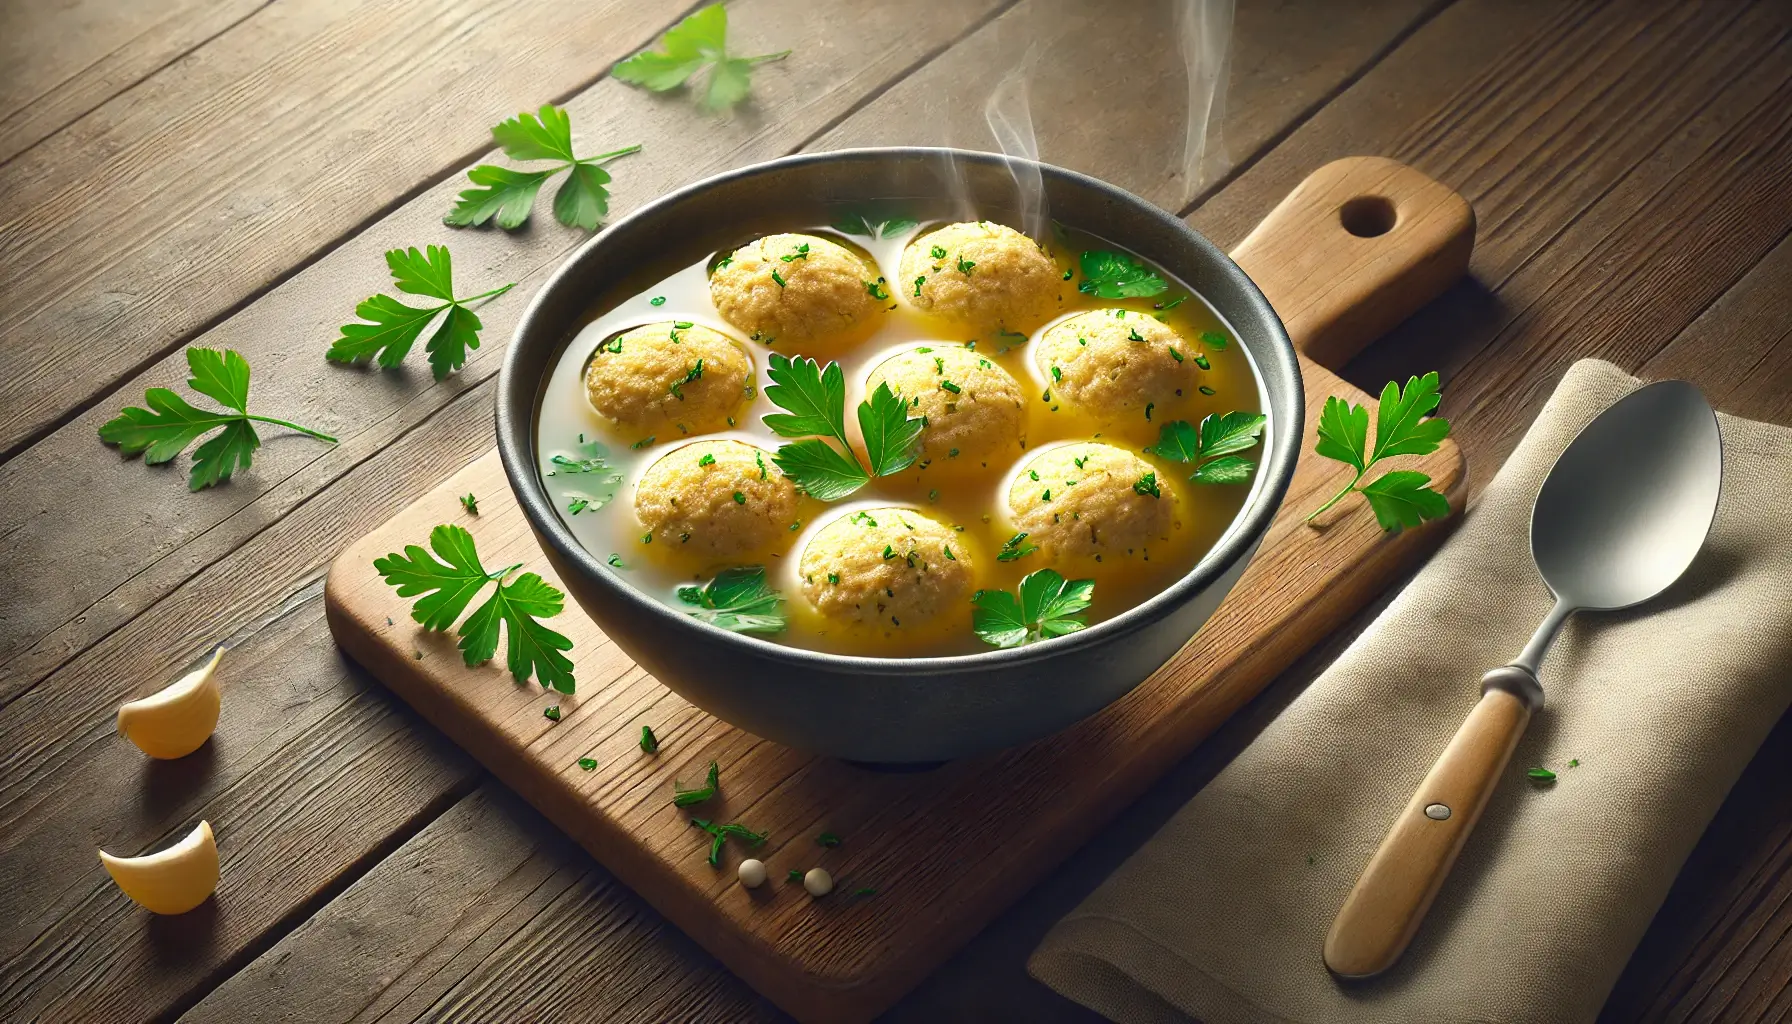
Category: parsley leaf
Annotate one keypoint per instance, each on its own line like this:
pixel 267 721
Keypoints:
pixel 1115 275
pixel 820 470
pixel 1403 426
pixel 170 424
pixel 1048 606
pixel 1401 498
pixel 451 581
pixel 1541 776
pixel 395 326
pixel 720 834
pixel 693 44
pixel 814 398
pixel 682 797
pixel 508 195
pixel 737 599
pixel 890 433
pixel 1213 446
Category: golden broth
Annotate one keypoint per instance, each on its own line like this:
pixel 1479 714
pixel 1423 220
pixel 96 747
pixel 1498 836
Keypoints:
pixel 973 499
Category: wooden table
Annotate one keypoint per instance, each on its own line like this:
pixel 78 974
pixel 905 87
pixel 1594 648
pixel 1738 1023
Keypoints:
pixel 226 173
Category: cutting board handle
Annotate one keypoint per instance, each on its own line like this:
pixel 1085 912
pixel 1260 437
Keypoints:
pixel 1355 249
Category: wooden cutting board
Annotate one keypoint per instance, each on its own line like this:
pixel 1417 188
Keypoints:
pixel 1355 249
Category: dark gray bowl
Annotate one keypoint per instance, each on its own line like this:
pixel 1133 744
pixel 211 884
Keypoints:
pixel 891 710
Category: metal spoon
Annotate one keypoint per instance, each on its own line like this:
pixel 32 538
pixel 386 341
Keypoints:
pixel 1619 518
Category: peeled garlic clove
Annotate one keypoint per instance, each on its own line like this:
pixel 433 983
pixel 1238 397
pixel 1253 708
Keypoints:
pixel 178 719
pixel 752 873
pixel 174 880
pixel 818 882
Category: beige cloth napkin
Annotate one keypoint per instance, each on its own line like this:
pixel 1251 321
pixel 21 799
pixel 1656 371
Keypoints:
pixel 1220 917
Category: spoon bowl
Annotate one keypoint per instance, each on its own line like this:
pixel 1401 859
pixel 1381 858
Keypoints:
pixel 1629 503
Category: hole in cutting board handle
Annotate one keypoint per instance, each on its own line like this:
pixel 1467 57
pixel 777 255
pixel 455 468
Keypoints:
pixel 1368 216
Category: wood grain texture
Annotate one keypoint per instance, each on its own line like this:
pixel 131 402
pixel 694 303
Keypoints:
pixel 1557 120
pixel 184 570
pixel 73 951
pixel 487 876
pixel 169 535
pixel 59 61
pixel 843 959
pixel 136 559
pixel 1720 948
pixel 171 204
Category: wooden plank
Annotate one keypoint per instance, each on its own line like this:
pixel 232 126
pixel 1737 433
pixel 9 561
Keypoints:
pixel 131 561
pixel 485 876
pixel 170 204
pixel 70 945
pixel 1718 949
pixel 1286 60
pixel 142 557
pixel 59 61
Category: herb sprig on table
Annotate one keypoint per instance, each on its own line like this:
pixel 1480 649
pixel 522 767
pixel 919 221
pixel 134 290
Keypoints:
pixel 1403 426
pixel 450 579
pixel 1048 606
pixel 170 424
pixel 395 326
pixel 1213 446
pixel 814 400
pixel 698 42
pixel 508 195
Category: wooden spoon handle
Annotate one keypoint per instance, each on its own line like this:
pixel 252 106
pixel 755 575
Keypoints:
pixel 1391 897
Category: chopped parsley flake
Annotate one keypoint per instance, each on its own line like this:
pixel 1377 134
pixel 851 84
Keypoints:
pixel 588 763
pixel 919 281
pixel 1147 484
pixel 778 279
pixel 708 459
pixel 938 252
pixel 551 712
pixel 649 742
pixel 946 385
pixel 644 442
pixel 965 266
pixel 827 839
pixel 800 253
pixel 876 289
pixel 682 797
pixel 739 498
pixel 657 300
pixel 1016 547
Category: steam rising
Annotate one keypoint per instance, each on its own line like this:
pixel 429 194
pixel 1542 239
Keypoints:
pixel 1106 76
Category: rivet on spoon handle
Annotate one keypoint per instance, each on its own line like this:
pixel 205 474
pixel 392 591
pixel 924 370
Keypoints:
pixel 1396 889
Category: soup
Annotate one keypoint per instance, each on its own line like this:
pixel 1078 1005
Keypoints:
pixel 1058 406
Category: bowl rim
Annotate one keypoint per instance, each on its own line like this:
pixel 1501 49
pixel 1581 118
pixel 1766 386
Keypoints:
pixel 516 415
